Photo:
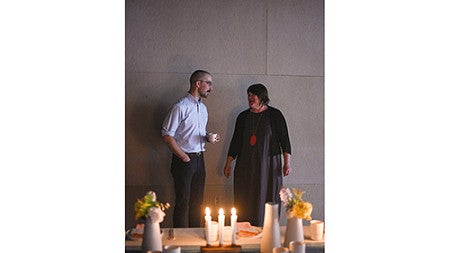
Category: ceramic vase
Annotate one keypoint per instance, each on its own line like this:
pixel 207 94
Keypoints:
pixel 151 239
pixel 271 229
pixel 294 231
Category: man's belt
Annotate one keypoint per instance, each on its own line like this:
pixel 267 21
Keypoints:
pixel 196 153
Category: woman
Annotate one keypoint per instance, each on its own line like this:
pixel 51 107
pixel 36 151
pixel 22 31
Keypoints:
pixel 259 140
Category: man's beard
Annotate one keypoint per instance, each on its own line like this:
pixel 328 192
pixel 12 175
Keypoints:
pixel 204 95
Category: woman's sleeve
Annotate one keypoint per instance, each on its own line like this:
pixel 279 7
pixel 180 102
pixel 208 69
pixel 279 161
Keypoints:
pixel 236 141
pixel 283 134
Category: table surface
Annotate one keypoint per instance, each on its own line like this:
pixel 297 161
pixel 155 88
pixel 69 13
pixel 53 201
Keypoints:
pixel 191 239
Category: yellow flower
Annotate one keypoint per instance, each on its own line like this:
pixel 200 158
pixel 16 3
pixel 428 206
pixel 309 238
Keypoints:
pixel 147 204
pixel 294 204
pixel 303 210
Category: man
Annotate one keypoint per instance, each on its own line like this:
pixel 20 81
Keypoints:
pixel 184 131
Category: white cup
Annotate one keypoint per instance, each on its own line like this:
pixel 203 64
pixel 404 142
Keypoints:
pixel 280 250
pixel 227 233
pixel 297 247
pixel 172 249
pixel 213 231
pixel 212 137
pixel 316 230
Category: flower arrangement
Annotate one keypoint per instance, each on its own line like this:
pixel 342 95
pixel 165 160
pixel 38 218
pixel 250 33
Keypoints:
pixel 294 204
pixel 148 207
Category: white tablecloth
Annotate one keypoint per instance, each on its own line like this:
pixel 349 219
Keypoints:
pixel 191 239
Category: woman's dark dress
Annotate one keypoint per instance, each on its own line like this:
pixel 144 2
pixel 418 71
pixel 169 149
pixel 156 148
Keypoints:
pixel 258 169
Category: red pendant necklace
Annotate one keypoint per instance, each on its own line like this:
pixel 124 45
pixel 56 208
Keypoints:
pixel 252 140
pixel 253 136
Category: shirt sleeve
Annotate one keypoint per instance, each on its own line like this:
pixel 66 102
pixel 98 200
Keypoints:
pixel 171 121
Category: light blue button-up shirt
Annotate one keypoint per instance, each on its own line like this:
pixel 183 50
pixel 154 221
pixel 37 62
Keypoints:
pixel 186 123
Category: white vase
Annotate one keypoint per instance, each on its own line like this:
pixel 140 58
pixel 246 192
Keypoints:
pixel 271 230
pixel 151 239
pixel 294 231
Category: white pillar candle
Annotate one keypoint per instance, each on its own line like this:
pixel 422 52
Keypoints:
pixel 233 226
pixel 221 225
pixel 207 225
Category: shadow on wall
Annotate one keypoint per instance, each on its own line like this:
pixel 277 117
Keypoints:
pixel 149 158
pixel 146 121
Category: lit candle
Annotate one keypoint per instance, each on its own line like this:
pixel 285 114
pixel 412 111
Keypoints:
pixel 233 226
pixel 207 225
pixel 221 225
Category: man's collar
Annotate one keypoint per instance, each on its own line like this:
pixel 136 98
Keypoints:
pixel 193 98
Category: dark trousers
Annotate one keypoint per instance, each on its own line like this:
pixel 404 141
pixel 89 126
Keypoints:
pixel 189 181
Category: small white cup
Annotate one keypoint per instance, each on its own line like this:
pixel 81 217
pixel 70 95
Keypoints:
pixel 316 230
pixel 172 249
pixel 213 231
pixel 280 250
pixel 297 247
pixel 212 137
pixel 227 233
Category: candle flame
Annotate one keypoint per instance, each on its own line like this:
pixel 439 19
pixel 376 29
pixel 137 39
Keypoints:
pixel 221 211
pixel 233 211
pixel 207 211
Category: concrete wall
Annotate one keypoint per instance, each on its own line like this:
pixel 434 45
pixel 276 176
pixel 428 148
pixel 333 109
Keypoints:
pixel 277 43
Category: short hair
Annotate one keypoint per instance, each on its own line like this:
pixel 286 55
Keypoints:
pixel 197 75
pixel 261 91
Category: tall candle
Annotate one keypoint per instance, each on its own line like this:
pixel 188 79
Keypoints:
pixel 221 225
pixel 233 226
pixel 207 225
